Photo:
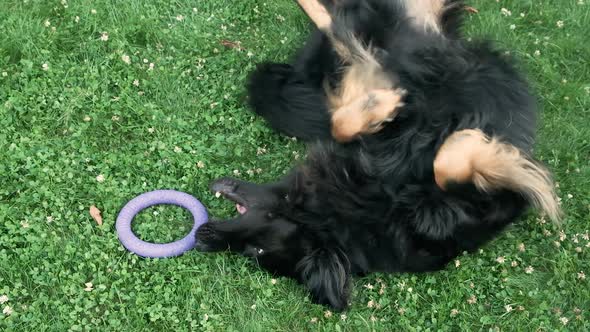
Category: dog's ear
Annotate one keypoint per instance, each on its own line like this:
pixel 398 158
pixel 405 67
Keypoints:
pixel 326 274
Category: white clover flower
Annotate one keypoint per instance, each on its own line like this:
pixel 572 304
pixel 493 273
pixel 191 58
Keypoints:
pixel 7 311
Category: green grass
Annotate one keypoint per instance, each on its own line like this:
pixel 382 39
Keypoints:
pixel 84 118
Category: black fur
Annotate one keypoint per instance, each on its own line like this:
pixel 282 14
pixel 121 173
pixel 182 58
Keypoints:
pixel 373 205
pixel 277 92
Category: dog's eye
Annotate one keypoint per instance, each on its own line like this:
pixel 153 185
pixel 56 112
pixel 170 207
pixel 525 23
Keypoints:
pixel 270 215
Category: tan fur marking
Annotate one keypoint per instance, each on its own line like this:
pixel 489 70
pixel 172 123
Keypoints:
pixel 470 156
pixel 320 16
pixel 454 160
pixel 365 114
pixel 317 13
pixel 357 81
pixel 361 81
pixel 425 14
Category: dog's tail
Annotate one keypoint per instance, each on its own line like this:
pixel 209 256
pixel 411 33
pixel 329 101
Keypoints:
pixel 491 164
pixel 288 103
pixel 504 166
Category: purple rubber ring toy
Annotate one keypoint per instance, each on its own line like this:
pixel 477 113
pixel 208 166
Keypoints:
pixel 159 250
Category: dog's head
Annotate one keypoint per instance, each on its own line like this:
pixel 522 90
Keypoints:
pixel 270 230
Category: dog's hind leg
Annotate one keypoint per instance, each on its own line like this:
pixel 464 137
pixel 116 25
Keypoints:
pixel 365 114
pixel 364 78
pixel 345 44
pixel 471 156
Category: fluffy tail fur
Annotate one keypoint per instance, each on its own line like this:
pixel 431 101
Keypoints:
pixel 469 155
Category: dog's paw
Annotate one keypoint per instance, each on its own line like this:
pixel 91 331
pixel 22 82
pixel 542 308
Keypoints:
pixel 208 239
pixel 367 114
pixel 387 104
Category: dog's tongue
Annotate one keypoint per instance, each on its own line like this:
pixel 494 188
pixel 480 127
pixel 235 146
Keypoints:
pixel 241 209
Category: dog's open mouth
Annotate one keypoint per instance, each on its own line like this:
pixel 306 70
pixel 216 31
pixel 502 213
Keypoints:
pixel 241 209
pixel 240 206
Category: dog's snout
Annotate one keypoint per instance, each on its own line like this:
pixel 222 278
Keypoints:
pixel 224 185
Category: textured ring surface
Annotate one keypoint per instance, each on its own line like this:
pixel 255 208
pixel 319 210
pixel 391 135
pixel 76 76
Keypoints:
pixel 159 250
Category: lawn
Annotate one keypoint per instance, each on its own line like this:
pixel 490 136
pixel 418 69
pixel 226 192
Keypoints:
pixel 103 100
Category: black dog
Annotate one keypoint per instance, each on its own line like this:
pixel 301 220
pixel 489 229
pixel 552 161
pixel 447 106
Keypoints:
pixel 373 204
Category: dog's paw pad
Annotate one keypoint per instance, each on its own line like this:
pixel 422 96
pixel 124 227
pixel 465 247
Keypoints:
pixel 387 104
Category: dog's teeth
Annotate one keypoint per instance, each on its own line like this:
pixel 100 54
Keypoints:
pixel 217 194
